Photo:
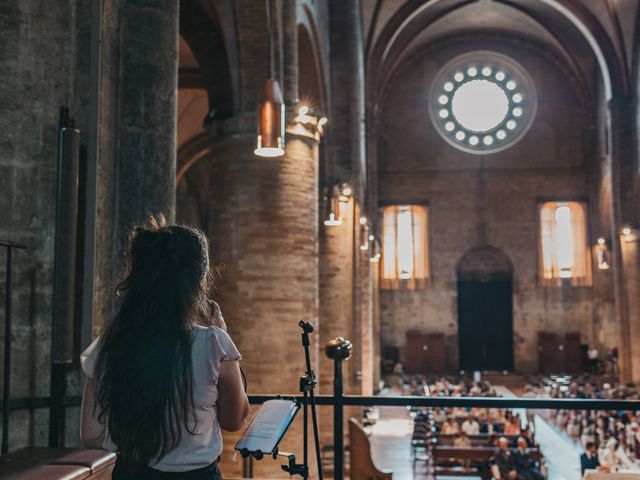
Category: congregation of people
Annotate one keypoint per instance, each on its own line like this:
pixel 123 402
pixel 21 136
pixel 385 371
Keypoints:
pixel 610 439
pixel 508 437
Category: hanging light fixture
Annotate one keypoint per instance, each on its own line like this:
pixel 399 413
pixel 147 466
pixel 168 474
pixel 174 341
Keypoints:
pixel 270 121
pixel 375 250
pixel 270 111
pixel 332 201
pixel 602 253
pixel 364 246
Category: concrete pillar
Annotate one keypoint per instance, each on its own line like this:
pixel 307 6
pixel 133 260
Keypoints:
pixel 347 100
pixel 147 118
pixel 136 128
pixel 264 235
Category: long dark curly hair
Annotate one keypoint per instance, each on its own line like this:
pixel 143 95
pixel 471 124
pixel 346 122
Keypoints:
pixel 144 390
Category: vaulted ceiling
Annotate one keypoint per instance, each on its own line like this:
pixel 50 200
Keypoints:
pixel 569 29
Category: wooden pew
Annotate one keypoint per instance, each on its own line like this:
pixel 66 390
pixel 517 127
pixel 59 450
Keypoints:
pixel 476 457
pixel 480 440
pixel 362 466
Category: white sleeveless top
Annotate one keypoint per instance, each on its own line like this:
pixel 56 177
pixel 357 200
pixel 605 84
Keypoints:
pixel 211 347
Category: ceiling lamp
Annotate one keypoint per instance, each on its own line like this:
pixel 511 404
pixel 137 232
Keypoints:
pixel 270 111
pixel 270 121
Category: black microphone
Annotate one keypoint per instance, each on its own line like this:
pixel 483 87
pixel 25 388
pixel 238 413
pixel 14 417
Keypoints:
pixel 307 327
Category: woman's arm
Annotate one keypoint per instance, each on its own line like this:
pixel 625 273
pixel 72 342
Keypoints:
pixel 91 430
pixel 233 405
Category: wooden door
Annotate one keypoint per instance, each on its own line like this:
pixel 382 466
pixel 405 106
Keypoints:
pixel 551 357
pixel 434 354
pixel 414 358
pixel 485 325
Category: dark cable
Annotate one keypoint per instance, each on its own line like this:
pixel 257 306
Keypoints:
pixel 244 379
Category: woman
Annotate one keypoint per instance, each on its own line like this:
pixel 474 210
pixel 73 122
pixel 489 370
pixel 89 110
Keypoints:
pixel 449 427
pixel 163 379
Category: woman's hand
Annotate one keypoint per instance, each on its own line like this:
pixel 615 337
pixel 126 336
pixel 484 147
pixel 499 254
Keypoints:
pixel 216 315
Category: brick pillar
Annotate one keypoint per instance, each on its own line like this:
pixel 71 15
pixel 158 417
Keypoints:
pixel 620 126
pixel 630 252
pixel 336 291
pixel 375 320
pixel 339 253
pixel 336 307
pixel 264 235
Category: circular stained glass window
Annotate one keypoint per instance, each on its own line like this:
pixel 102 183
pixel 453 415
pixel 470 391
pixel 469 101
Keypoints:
pixel 482 102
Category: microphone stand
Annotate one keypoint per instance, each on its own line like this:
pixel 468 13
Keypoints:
pixel 308 383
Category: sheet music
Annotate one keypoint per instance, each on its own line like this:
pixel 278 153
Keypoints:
pixel 268 426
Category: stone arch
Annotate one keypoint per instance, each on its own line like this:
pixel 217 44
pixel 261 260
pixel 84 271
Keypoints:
pixel 311 72
pixel 483 264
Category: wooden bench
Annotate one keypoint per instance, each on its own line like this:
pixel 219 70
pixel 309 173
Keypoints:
pixel 362 466
pixel 77 465
pixel 477 459
pixel 480 439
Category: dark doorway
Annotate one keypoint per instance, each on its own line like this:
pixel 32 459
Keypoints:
pixel 485 328
pixel 485 310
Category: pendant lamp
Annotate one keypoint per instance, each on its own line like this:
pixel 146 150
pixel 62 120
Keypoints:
pixel 270 121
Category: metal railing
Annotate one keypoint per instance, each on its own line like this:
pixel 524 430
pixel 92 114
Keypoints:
pixel 338 401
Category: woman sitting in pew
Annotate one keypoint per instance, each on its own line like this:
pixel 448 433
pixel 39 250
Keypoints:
pixel 163 378
pixel 449 427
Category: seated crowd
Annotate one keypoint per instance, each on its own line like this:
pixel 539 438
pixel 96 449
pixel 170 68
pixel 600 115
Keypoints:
pixel 611 440
pixel 484 441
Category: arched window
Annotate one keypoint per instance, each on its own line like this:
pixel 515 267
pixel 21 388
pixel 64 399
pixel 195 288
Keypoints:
pixel 405 247
pixel 564 245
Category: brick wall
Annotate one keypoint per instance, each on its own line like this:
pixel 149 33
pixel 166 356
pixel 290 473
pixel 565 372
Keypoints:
pixel 488 199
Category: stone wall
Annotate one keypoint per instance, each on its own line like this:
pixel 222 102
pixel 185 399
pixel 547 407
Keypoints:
pixel 45 63
pixel 489 199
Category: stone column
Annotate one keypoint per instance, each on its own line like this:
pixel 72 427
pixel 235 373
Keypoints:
pixel 147 117
pixel 136 129
pixel 264 236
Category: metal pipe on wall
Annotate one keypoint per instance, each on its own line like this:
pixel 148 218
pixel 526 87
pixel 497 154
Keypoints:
pixel 64 271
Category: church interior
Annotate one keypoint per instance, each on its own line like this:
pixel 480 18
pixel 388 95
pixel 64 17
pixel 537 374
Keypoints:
pixel 453 186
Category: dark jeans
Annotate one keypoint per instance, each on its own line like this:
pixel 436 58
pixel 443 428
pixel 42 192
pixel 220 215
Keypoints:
pixel 120 472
